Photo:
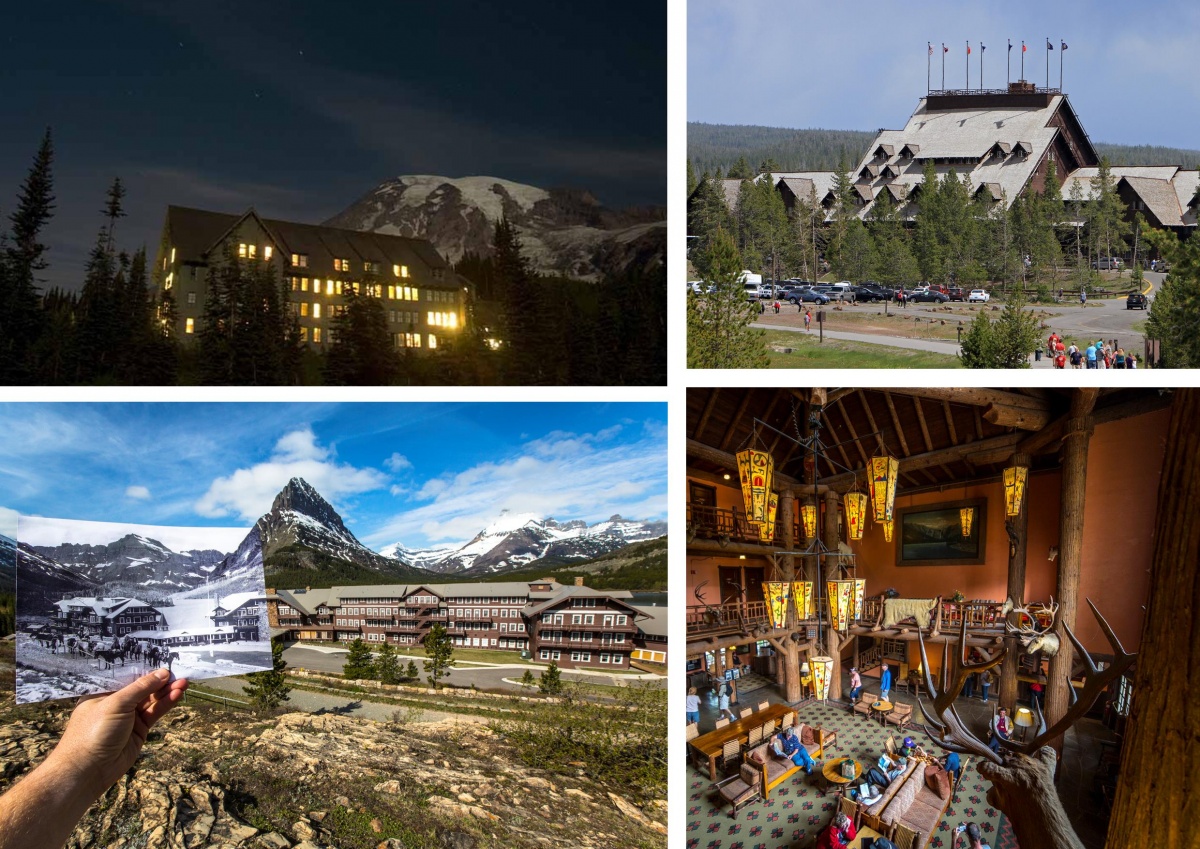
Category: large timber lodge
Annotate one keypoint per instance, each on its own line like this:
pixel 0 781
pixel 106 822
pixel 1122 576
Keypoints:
pixel 573 626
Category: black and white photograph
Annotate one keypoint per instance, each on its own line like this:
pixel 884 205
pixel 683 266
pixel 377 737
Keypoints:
pixel 100 604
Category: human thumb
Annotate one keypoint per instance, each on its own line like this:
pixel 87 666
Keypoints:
pixel 134 694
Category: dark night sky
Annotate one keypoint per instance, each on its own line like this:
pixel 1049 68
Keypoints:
pixel 299 108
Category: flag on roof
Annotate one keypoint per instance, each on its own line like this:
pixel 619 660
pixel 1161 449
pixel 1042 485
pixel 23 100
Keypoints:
pixel 1023 47
pixel 1049 46
pixel 968 48
pixel 1064 45
pixel 945 49
pixel 930 49
pixel 982 47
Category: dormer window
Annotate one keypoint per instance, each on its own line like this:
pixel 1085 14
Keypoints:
pixel 909 152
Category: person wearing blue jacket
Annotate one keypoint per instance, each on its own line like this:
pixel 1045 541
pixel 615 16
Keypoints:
pixel 885 683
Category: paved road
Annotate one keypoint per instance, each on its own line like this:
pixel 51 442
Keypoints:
pixel 463 675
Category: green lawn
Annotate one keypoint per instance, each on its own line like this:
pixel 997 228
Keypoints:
pixel 807 352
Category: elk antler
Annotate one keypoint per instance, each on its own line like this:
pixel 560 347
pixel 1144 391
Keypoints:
pixel 1097 680
pixel 951 732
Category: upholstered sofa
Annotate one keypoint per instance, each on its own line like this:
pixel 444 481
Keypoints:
pixel 773 769
pixel 915 805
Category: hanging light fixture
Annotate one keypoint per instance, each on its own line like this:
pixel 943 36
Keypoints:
pixel 808 517
pixel 966 518
pixel 855 504
pixel 777 594
pixel 766 531
pixel 802 593
pixel 756 469
pixel 887 531
pixel 845 602
pixel 822 674
pixel 884 471
pixel 1015 478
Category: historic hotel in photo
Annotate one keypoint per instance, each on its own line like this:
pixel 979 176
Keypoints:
pixel 425 301
pixel 571 625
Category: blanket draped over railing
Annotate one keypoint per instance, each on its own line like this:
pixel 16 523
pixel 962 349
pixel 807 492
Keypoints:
pixel 897 609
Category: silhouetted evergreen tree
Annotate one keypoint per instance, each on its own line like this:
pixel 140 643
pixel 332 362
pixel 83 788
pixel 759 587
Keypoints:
pixel 521 298
pixel 21 319
pixel 361 352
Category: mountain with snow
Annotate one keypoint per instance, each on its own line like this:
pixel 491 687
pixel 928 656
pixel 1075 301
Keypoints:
pixel 42 581
pixel 563 231
pixel 518 539
pixel 135 563
pixel 8 564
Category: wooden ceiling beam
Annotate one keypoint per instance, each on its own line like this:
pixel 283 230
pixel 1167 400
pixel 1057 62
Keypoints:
pixel 939 457
pixel 975 396
pixel 708 408
pixel 1024 418
pixel 862 396
pixel 924 427
pixel 950 422
pixel 737 417
pixel 853 435
pixel 699 451
pixel 887 396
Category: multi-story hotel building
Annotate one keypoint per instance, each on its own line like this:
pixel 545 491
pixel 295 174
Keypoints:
pixel 574 626
pixel 105 617
pixel 422 296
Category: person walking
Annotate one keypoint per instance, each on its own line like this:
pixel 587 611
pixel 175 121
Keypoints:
pixel 885 682
pixel 1091 355
pixel 723 702
pixel 1076 358
pixel 1130 361
pixel 855 684
pixel 985 682
pixel 693 706
pixel 1036 692
pixel 776 305
pixel 807 319
pixel 1083 297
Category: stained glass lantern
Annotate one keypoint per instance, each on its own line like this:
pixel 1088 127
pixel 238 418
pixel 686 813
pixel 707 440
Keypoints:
pixel 966 518
pixel 845 602
pixel 887 531
pixel 756 468
pixel 802 593
pixel 766 531
pixel 855 504
pixel 808 517
pixel 1015 478
pixel 884 471
pixel 777 594
pixel 822 674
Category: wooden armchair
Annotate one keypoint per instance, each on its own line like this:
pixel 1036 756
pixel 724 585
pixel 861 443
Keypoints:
pixel 763 705
pixel 789 719
pixel 900 716
pixel 731 755
pixel 722 722
pixel 745 712
pixel 863 705
pixel 740 790
pixel 904 837
pixel 851 809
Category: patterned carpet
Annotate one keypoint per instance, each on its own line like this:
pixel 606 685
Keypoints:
pixel 796 812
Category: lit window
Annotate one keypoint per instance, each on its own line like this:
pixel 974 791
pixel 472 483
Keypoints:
pixel 401 270
pixel 172 256
pixel 169 281
pixel 191 299
pixel 317 335
pixel 391 293
pixel 328 287
pixel 295 283
pixel 337 286
pixel 304 284
pixel 242 250
pixel 316 312
pixel 432 341
pixel 251 251
pixel 266 252
pixel 300 260
pixel 191 326
pixel 303 334
pixel 304 308
pixel 416 296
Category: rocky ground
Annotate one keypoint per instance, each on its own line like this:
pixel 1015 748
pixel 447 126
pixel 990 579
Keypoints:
pixel 210 778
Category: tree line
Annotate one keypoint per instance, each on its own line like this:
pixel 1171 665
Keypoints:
pixel 120 326
pixel 713 147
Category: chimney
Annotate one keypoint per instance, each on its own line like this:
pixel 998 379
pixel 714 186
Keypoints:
pixel 579 581
pixel 270 591
pixel 306 589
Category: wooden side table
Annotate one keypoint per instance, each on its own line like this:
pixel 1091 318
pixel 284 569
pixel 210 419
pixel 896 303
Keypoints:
pixel 882 709
pixel 832 770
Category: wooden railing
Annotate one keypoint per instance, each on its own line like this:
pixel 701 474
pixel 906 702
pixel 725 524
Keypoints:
pixel 718 523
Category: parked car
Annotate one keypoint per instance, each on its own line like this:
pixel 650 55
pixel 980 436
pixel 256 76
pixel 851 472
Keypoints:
pixel 929 296
pixel 870 293
pixel 956 293
pixel 834 292
pixel 978 296
pixel 1107 263
pixel 1137 301
pixel 807 296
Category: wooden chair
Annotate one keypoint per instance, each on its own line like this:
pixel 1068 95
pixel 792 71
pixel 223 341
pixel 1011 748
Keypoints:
pixel 850 809
pixel 693 731
pixel 745 712
pixel 756 737
pixel 874 822
pixel 763 705
pixel 731 755
pixel 890 745
pixel 899 716
pixel 722 722
pixel 737 792
pixel 863 705
pixel 789 719
pixel 769 728
pixel 904 837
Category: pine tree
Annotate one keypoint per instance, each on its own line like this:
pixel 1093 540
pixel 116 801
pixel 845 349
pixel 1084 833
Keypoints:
pixel 894 262
pixel 440 652
pixel 845 210
pixel 1106 223
pixel 387 665
pixel 927 241
pixel 550 682
pixel 359 662
pixel 707 214
pixel 268 690
pixel 410 671
pixel 522 308
pixel 1016 334
pixel 361 352
pixel 692 182
pixel 21 319
pixel 527 679
pixel 740 170
pixel 978 346
pixel 1175 313
pixel 719 335
pixel 113 209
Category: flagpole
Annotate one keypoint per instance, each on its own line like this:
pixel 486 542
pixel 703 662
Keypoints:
pixel 1048 48
pixel 982 49
pixel 943 66
pixel 968 87
pixel 928 56
pixel 1008 70
pixel 1060 53
pixel 1022 60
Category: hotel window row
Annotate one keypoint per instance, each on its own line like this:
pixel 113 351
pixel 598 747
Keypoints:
pixel 245 251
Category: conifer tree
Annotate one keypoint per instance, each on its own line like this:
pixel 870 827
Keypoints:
pixel 707 214
pixel 550 682
pixel 1106 223
pixel 360 351
pixel 21 320
pixel 521 299
pixel 359 662
pixel 719 335
pixel 113 209
pixel 410 671
pixel 440 652
pixel 844 211
pixel 979 344
pixel 1016 334
pixel 692 182
pixel 268 690
pixel 894 262
pixel 1175 312
pixel 387 665
pixel 740 170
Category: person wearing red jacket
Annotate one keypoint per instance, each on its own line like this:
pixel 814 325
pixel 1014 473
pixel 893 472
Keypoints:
pixel 839 833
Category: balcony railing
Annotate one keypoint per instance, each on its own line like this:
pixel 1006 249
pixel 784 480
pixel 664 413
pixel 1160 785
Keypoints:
pixel 717 523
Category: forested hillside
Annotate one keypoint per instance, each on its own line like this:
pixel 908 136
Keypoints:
pixel 712 146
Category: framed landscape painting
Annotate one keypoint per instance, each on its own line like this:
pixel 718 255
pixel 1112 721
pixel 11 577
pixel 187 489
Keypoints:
pixel 933 534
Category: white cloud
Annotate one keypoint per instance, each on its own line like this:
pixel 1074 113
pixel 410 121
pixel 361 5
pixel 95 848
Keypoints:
pixel 398 463
pixel 141 493
pixel 38 530
pixel 248 493
pixel 566 475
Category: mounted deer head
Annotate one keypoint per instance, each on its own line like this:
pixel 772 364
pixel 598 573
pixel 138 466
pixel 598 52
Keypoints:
pixel 1032 638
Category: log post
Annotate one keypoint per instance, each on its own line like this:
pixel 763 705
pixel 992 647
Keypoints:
pixel 1016 591
pixel 833 564
pixel 789 676
pixel 1156 793
pixel 1077 432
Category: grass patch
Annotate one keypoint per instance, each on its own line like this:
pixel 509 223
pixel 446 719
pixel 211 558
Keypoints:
pixel 807 352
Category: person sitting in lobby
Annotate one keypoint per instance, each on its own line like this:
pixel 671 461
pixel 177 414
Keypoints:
pixel 886 771
pixel 953 765
pixel 1001 729
pixel 788 745
pixel 838 834
pixel 974 838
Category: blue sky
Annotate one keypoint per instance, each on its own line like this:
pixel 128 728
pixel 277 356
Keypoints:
pixel 419 474
pixel 1129 71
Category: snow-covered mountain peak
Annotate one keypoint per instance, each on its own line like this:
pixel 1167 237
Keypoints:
pixel 508 522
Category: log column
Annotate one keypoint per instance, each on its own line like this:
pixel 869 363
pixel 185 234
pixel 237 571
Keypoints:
pixel 833 641
pixel 1077 432
pixel 1018 546
pixel 789 670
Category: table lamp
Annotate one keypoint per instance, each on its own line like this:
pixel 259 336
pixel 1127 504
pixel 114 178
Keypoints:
pixel 1024 720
